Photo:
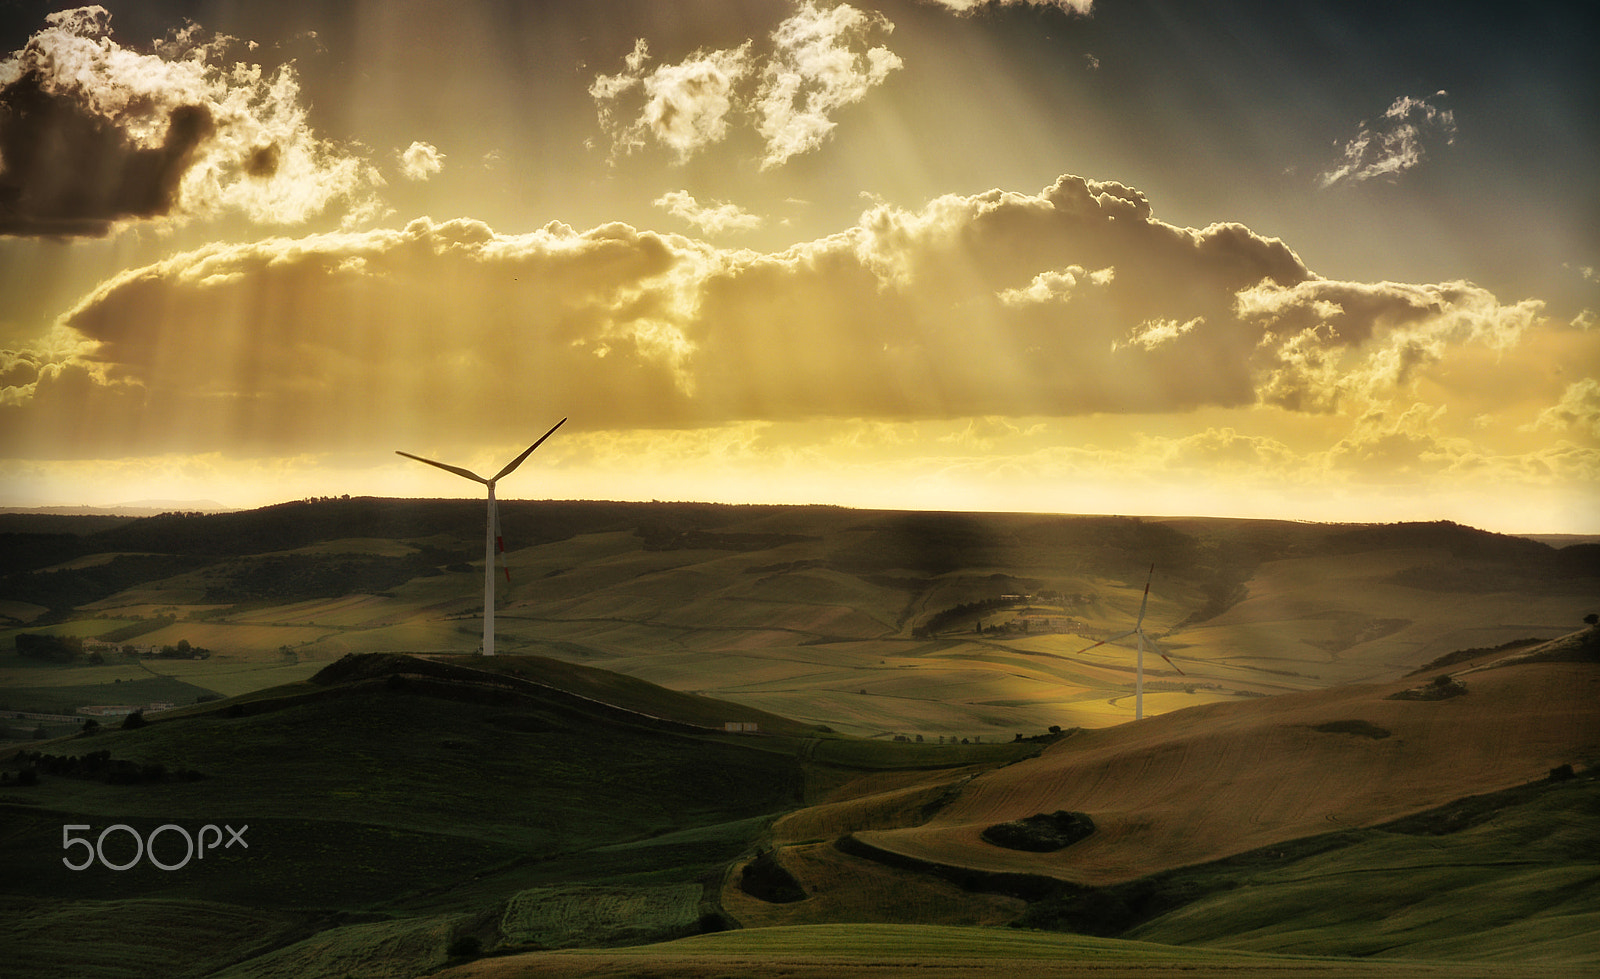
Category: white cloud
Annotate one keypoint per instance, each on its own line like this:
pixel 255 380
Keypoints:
pixel 1398 142
pixel 420 161
pixel 685 106
pixel 1056 285
pixel 1578 411
pixel 171 135
pixel 1154 333
pixel 820 63
pixel 711 219
pixel 817 69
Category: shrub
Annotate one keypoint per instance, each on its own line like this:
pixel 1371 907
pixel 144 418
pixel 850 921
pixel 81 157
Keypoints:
pixel 765 879
pixel 1041 832
pixel 465 947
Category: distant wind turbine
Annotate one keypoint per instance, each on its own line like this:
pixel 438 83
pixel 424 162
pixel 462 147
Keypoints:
pixel 492 540
pixel 1138 630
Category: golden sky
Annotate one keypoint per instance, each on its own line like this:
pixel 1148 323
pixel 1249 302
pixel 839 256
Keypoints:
pixel 958 255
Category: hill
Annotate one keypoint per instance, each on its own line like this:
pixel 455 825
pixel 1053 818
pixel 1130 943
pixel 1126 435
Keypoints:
pixel 386 808
pixel 876 623
pixel 1245 826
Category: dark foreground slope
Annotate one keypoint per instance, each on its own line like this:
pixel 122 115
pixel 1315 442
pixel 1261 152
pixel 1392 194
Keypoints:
pixel 384 811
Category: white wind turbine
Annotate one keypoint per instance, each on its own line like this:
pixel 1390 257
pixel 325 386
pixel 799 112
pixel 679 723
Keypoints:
pixel 492 538
pixel 1138 630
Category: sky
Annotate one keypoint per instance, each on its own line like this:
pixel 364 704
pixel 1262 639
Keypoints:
pixel 1318 261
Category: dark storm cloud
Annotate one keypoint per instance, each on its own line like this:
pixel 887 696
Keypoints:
pixel 93 134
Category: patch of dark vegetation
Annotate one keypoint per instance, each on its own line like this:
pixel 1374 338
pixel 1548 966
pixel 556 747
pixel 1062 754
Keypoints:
pixel 53 649
pixel 99 766
pixel 1042 832
pixel 947 619
pixel 1053 735
pixel 1465 655
pixel 1443 687
pixel 1463 814
pixel 69 588
pixel 765 879
pixel 299 577
pixel 1363 729
pixel 1460 541
pixel 464 948
pixel 135 629
pixel 1222 592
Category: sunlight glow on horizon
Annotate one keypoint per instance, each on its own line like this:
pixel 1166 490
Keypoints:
pixel 830 306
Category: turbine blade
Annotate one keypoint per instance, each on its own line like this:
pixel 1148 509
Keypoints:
pixel 1104 641
pixel 514 463
pixel 1140 620
pixel 1163 654
pixel 469 474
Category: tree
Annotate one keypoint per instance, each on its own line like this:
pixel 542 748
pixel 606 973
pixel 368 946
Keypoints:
pixel 1591 619
pixel 134 721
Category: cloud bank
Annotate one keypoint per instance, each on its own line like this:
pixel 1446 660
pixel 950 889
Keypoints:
pixel 93 134
pixel 1067 302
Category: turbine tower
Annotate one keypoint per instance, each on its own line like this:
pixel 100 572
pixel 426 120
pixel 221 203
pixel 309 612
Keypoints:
pixel 492 539
pixel 1138 630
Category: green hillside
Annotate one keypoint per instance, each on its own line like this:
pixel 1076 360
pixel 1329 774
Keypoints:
pixel 389 797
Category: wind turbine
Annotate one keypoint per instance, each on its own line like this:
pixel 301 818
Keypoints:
pixel 1138 630
pixel 492 539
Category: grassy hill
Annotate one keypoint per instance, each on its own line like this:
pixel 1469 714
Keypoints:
pixel 1459 821
pixel 393 805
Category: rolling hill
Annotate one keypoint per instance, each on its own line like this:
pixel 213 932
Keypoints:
pixel 1397 711
pixel 398 807
pixel 875 623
